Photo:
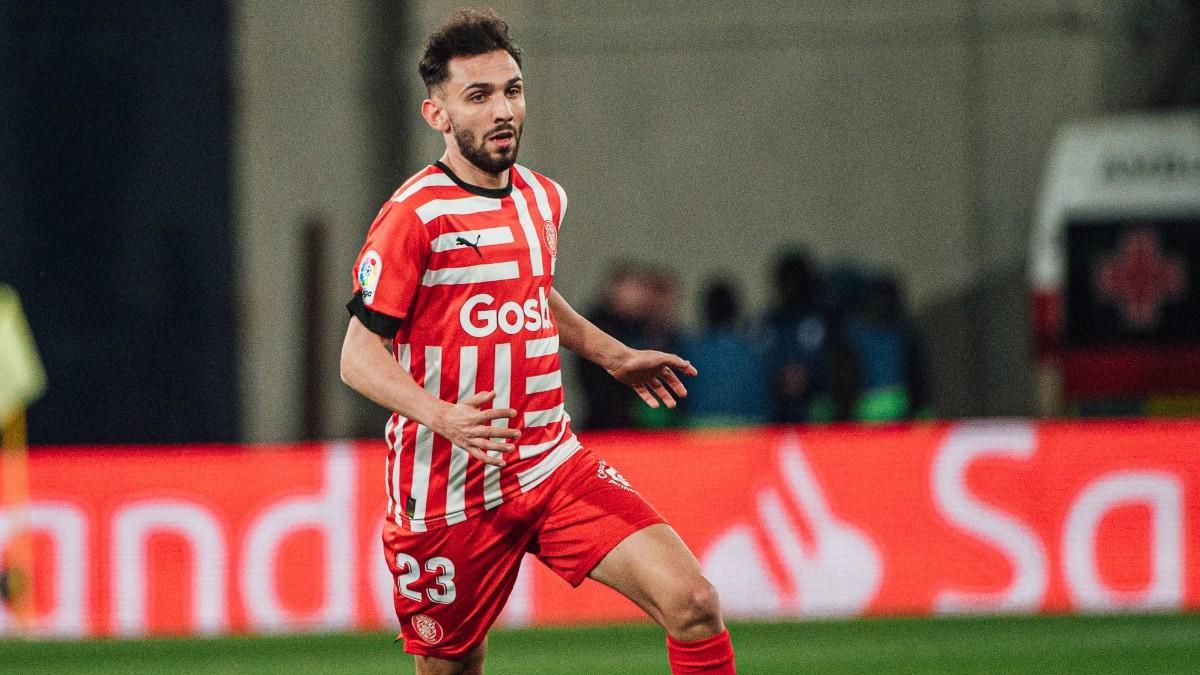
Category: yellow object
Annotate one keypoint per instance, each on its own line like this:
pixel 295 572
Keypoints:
pixel 22 378
pixel 22 381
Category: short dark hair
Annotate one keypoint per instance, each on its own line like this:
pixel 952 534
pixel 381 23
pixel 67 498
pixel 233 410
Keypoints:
pixel 468 33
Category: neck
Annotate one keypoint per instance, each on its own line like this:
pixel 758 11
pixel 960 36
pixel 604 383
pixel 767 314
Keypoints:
pixel 464 169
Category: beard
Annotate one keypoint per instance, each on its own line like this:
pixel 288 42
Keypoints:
pixel 476 152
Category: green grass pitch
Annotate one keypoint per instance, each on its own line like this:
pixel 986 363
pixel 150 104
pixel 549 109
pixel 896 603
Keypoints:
pixel 1168 643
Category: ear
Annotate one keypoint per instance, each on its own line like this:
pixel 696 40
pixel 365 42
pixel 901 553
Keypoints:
pixel 435 115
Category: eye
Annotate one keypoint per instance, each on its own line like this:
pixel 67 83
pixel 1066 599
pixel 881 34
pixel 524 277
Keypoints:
pixel 514 91
pixel 477 97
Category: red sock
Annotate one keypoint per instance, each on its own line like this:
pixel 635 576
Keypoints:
pixel 710 655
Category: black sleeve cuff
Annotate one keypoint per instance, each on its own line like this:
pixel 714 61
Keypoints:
pixel 379 324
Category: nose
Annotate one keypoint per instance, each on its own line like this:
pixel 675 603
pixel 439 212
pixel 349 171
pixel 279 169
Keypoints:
pixel 503 109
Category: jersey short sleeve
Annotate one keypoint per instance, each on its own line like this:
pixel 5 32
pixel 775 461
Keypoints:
pixel 389 268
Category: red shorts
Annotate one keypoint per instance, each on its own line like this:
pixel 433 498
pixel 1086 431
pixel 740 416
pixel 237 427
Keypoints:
pixel 452 582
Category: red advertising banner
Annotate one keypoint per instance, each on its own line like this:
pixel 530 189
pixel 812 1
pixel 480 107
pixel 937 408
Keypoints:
pixel 983 517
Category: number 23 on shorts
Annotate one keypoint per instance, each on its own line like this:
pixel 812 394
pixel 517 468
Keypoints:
pixel 410 570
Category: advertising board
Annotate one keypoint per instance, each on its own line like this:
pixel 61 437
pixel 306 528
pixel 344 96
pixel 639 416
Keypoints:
pixel 980 517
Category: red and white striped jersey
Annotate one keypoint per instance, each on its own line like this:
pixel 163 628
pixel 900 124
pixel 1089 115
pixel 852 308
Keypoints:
pixel 461 275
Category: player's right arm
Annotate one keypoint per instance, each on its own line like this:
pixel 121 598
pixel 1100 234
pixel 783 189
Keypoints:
pixel 386 278
pixel 368 368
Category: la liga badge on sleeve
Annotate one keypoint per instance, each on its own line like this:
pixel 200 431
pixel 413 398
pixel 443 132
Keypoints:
pixel 369 271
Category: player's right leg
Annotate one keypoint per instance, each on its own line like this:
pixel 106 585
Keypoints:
pixel 450 584
pixel 470 664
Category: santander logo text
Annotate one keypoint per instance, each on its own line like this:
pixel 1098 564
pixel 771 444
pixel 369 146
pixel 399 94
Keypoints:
pixel 480 316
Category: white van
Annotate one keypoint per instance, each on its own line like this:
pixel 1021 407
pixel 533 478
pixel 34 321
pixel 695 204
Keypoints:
pixel 1115 268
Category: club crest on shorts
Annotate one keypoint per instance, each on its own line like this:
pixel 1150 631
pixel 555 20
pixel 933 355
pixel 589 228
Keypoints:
pixel 551 238
pixel 426 627
pixel 614 477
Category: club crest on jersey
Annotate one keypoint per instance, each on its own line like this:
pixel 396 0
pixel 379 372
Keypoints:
pixel 551 238
pixel 426 627
pixel 368 275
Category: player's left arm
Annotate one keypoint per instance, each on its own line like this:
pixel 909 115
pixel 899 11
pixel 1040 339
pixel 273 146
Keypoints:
pixel 651 373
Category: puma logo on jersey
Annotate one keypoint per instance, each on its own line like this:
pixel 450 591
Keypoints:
pixel 480 317
pixel 462 241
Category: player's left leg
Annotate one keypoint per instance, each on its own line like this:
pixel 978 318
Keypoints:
pixel 597 526
pixel 654 568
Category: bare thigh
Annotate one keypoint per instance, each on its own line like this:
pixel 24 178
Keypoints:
pixel 471 664
pixel 654 568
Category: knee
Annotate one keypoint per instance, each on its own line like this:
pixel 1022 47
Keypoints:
pixel 696 611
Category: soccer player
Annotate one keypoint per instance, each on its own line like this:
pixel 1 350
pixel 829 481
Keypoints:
pixel 455 328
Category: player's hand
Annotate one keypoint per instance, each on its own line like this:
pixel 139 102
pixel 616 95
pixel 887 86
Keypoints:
pixel 470 428
pixel 652 375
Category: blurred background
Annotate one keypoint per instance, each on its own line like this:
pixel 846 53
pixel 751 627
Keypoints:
pixel 184 188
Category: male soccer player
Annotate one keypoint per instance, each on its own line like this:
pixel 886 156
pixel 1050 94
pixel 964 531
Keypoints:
pixel 456 327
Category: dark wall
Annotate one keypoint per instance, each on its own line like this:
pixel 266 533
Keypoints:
pixel 115 215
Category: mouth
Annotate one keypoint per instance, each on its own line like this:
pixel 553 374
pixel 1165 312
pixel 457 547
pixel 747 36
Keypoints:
pixel 503 139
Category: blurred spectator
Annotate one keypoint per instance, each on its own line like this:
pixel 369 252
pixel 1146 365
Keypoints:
pixel 638 307
pixel 843 290
pixel 888 350
pixel 731 387
pixel 797 341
